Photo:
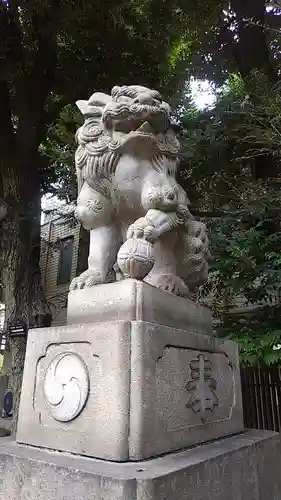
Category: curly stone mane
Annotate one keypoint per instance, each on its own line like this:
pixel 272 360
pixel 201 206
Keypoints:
pixel 97 155
pixel 98 152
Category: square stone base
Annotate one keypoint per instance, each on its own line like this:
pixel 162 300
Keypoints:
pixel 133 300
pixel 127 390
pixel 242 467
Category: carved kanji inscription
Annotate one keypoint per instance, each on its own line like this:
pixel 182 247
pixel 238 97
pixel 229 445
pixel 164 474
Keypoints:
pixel 201 387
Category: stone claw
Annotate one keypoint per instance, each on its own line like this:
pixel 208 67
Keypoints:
pixel 142 229
pixel 149 233
pixel 89 278
pixel 137 228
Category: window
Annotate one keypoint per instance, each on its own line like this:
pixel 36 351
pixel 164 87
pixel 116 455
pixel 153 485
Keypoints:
pixel 65 261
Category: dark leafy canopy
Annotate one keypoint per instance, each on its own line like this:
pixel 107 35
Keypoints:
pixel 244 37
pixel 151 44
pixel 222 146
pixel 231 167
pixel 241 198
pixel 53 52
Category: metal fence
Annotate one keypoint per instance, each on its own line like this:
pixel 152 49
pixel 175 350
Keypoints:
pixel 261 393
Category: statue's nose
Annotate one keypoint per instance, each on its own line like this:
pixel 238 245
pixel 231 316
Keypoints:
pixel 170 195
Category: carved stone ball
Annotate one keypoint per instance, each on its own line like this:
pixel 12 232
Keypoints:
pixel 136 258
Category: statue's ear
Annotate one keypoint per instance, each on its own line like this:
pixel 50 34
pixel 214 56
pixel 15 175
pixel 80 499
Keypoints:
pixel 87 110
pixel 99 99
pixel 83 107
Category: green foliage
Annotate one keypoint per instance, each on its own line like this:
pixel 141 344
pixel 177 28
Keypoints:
pixel 231 170
pixel 57 151
pixel 246 259
pixel 258 345
pixel 234 190
pixel 246 273
pixel 222 145
pixel 55 52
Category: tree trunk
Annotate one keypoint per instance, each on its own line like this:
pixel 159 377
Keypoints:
pixel 23 294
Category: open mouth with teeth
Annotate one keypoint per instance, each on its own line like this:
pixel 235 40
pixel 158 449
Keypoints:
pixel 136 118
pixel 133 125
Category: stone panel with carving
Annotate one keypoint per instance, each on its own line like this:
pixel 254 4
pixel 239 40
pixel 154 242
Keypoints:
pixel 66 386
pixel 193 387
pixel 185 389
pixel 75 395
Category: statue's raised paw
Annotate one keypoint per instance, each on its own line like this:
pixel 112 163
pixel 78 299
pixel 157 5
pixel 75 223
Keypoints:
pixel 141 228
pixel 89 278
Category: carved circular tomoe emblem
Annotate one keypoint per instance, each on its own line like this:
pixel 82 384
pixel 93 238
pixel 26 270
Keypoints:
pixel 66 386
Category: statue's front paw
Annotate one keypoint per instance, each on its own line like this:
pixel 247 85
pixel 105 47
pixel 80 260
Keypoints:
pixel 142 229
pixel 90 278
pixel 85 280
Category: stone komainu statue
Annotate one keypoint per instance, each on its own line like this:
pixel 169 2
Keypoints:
pixel 128 198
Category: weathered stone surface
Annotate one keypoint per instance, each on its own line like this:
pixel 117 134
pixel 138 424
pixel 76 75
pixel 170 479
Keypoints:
pixel 102 428
pixel 133 300
pixel 185 389
pixel 242 467
pixel 151 389
pixel 128 196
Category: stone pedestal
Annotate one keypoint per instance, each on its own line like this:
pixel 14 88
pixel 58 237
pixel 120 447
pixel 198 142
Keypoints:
pixel 243 467
pixel 132 300
pixel 132 388
pixel 109 400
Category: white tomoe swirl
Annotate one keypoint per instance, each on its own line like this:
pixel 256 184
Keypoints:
pixel 66 386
